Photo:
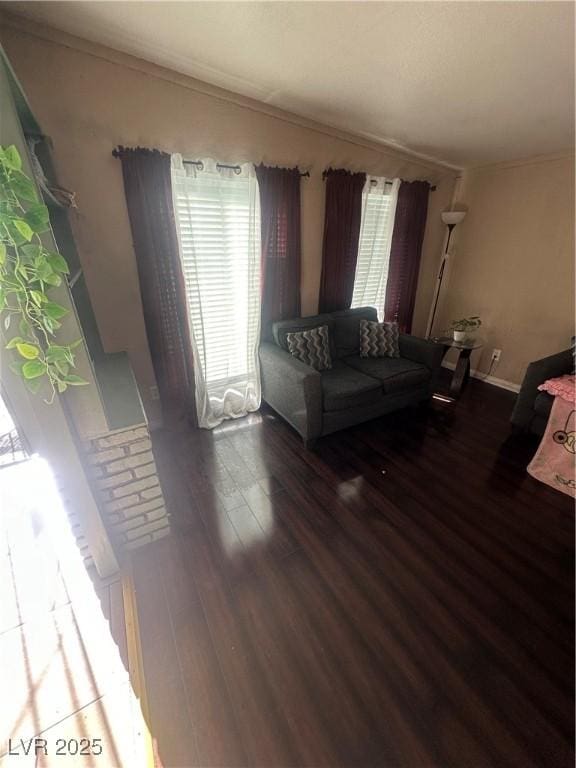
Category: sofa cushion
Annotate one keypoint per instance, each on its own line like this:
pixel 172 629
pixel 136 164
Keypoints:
pixel 378 339
pixel 311 347
pixel 282 328
pixel 347 329
pixel 543 404
pixel 344 387
pixel 397 374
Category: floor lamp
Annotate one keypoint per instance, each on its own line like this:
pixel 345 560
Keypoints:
pixel 450 218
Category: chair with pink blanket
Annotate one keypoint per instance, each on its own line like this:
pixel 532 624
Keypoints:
pixel 533 406
pixel 554 462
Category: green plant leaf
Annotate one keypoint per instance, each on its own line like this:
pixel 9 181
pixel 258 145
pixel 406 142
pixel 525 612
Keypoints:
pixel 62 367
pixel 2 254
pixel 74 381
pixel 14 234
pixel 54 311
pixel 37 217
pixel 2 299
pixel 55 353
pixel 38 297
pixel 43 269
pixel 11 158
pixel 23 187
pixel 33 384
pixel 49 324
pixel 33 369
pixel 16 367
pixel 58 263
pixel 29 351
pixel 62 386
pixel 52 279
pixel 16 340
pixel 24 228
pixel 7 205
pixel 24 327
pixel 32 251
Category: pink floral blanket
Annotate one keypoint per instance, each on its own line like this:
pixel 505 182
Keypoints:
pixel 554 462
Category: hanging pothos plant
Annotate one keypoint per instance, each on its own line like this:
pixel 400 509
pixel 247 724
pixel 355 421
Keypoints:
pixel 28 271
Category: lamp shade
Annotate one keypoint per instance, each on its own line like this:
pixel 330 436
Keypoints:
pixel 453 217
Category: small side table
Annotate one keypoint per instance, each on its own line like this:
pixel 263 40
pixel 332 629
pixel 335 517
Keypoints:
pixel 462 370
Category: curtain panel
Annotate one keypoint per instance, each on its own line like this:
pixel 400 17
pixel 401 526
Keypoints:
pixel 378 212
pixel 148 189
pixel 342 219
pixel 281 244
pixel 406 252
pixel 218 224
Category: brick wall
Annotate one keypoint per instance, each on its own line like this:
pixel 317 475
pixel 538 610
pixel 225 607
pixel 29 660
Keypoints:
pixel 123 473
pixel 75 523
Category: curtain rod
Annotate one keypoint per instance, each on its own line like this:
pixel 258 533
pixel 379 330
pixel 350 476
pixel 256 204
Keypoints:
pixel 389 184
pixel 236 168
pixel 373 181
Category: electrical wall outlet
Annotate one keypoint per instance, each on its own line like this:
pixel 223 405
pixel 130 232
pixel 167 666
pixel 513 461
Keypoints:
pixel 496 355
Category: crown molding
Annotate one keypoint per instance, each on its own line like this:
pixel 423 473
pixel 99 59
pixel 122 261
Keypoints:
pixel 504 165
pixel 438 168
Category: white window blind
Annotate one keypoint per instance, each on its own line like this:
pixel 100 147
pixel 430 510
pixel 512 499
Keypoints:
pixel 378 210
pixel 218 220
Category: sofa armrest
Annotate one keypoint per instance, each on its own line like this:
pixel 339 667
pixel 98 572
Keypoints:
pixel 293 389
pixel 428 353
pixel 537 373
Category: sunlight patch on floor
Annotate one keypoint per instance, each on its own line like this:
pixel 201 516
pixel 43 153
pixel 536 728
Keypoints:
pixel 63 671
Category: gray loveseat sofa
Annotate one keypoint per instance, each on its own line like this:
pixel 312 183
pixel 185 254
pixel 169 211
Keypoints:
pixel 355 389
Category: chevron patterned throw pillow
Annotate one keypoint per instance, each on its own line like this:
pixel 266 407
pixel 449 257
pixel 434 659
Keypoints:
pixel 378 339
pixel 312 347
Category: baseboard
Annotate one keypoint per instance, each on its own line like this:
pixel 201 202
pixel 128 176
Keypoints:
pixel 135 662
pixel 502 383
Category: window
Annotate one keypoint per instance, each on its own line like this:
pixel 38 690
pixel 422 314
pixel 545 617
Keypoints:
pixel 218 221
pixel 378 210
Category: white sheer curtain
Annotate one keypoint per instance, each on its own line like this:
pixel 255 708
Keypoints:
pixel 218 221
pixel 379 200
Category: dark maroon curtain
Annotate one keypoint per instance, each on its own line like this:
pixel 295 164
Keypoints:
pixel 148 188
pixel 341 234
pixel 405 253
pixel 280 224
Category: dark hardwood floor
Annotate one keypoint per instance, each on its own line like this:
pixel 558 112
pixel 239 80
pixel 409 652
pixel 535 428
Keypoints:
pixel 402 596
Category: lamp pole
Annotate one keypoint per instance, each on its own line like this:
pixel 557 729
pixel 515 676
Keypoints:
pixel 450 218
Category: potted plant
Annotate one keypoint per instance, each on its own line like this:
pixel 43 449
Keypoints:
pixel 28 272
pixel 461 328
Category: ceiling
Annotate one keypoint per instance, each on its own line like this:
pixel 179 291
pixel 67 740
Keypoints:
pixel 465 83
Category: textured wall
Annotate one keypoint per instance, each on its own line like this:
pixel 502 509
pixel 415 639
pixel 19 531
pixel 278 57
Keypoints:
pixel 514 261
pixel 90 100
